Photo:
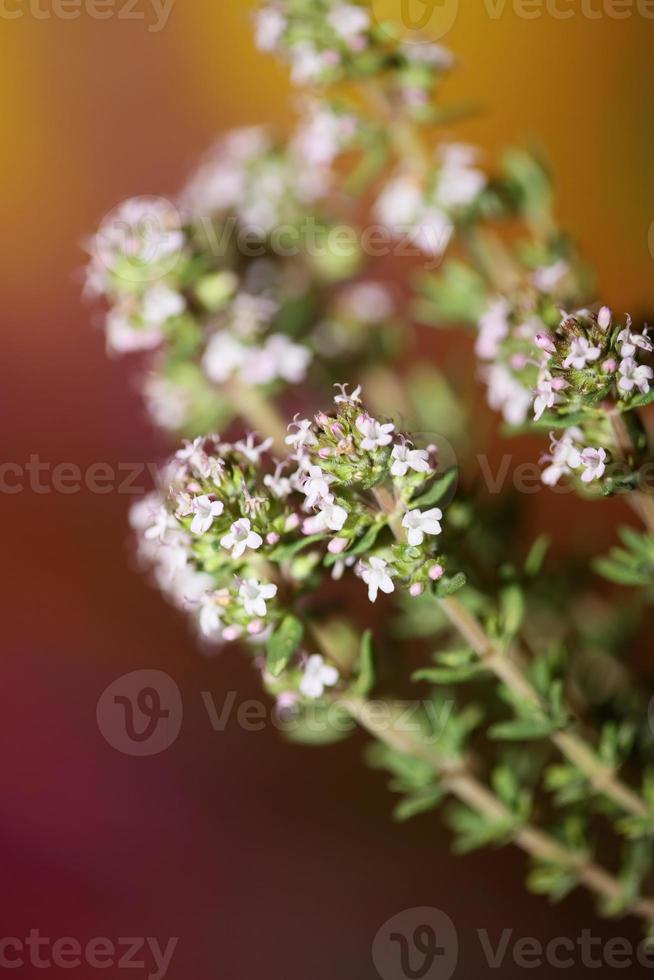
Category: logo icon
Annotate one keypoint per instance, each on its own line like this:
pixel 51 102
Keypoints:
pixel 423 21
pixel 140 241
pixel 417 944
pixel 141 713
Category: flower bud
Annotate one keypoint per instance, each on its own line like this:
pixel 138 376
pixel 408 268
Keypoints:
pixel 604 318
pixel 436 572
pixel 337 546
pixel 546 342
pixel 416 590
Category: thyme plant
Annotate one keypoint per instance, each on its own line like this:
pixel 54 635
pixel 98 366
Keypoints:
pixel 286 266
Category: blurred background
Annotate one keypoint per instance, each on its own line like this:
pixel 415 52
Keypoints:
pixel 266 860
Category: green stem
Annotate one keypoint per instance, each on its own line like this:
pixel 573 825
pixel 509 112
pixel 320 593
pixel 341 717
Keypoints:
pixel 258 412
pixel 457 779
pixel 510 672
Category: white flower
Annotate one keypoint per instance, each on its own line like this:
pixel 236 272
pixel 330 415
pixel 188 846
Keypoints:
pixel 254 595
pixel 367 302
pixel 270 26
pixel 205 510
pixel 546 394
pixel 344 398
pixel 224 355
pixel 604 318
pixel 432 232
pixel 143 230
pixel 317 676
pixel 349 21
pixel 316 486
pixel 280 486
pixel 123 337
pixel 376 573
pixel 564 458
pixel 142 513
pixel 321 135
pixel 405 459
pixel 507 395
pixel 303 436
pixel 581 353
pixel 210 615
pixel 250 314
pixel 193 454
pixel 634 375
pixel 418 524
pixel 330 517
pixel 160 304
pixel 459 183
pixel 161 521
pixel 250 450
pixel 400 202
pixel 168 403
pixel 308 64
pixel 287 360
pixel 594 461
pixel 630 341
pixel 240 537
pixel 429 54
pixel 375 434
pixel 493 329
pixel 547 278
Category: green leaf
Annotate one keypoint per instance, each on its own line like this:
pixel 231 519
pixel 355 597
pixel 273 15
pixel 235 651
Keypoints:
pixel 283 644
pixel 554 420
pixel 536 557
pixel 446 675
pixel 448 586
pixel 456 295
pixel 512 604
pixel 620 573
pixel 412 806
pixel 438 491
pixel 366 677
pixel 527 729
pixel 641 400
pixel 319 724
pixel 285 551
pixel 552 880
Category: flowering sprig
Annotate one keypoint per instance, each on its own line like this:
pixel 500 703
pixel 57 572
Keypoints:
pixel 204 288
pixel 226 514
pixel 361 480
pixel 249 544
pixel 327 41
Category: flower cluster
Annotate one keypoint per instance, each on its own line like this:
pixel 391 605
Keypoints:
pixel 325 41
pixel 234 532
pixel 589 358
pixel 508 336
pixel 202 288
pixel 260 182
pixel 425 208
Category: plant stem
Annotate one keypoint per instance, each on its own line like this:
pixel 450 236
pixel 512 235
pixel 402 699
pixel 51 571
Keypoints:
pixel 601 777
pixel 510 672
pixel 642 503
pixel 458 780
pixel 258 412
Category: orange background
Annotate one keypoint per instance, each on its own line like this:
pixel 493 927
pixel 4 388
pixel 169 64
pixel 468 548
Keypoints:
pixel 265 860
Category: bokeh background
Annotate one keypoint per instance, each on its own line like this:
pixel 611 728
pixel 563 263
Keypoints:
pixel 265 860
